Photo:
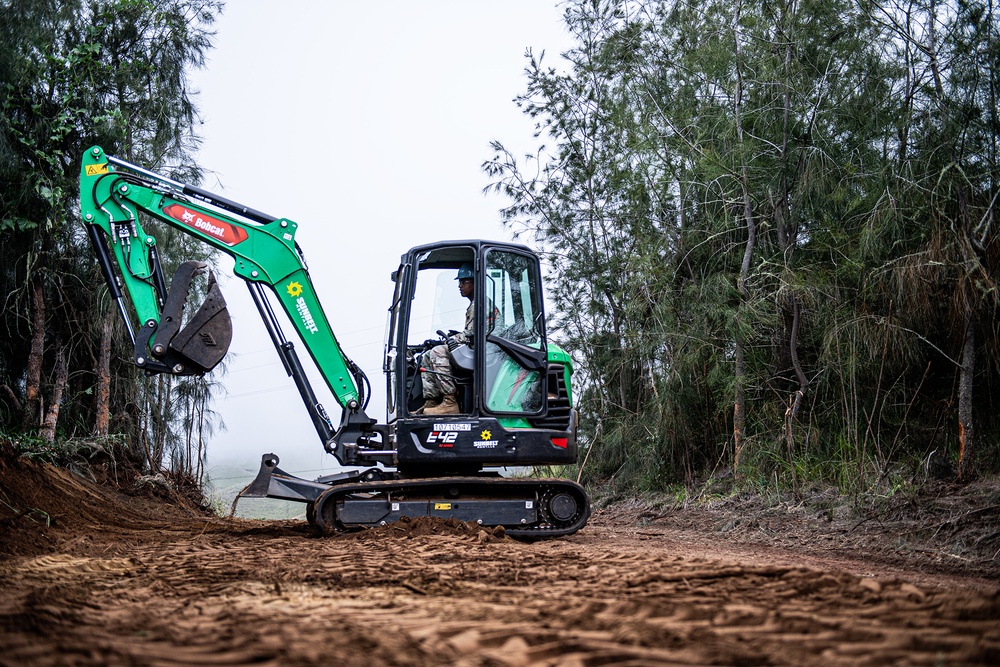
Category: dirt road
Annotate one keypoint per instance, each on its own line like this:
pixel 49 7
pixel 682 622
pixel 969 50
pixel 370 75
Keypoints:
pixel 113 583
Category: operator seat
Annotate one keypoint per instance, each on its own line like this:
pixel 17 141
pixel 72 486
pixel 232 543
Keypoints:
pixel 462 361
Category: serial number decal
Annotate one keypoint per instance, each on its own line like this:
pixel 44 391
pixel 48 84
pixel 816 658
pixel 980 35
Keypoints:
pixel 452 427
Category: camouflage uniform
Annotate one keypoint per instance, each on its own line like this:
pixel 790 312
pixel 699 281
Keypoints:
pixel 437 386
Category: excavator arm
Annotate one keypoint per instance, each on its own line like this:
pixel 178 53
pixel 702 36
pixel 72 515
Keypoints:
pixel 114 192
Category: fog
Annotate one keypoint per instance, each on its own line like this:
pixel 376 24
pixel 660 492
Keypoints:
pixel 366 123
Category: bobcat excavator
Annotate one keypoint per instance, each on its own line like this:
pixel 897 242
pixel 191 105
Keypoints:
pixel 513 386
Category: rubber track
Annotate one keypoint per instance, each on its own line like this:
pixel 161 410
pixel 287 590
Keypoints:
pixel 475 487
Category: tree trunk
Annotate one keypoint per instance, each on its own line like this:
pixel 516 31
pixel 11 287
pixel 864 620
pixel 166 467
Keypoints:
pixel 48 431
pixel 12 397
pixel 199 470
pixel 739 407
pixel 966 441
pixel 795 404
pixel 103 407
pixel 159 425
pixel 32 417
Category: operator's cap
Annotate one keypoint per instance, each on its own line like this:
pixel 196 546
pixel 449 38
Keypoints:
pixel 465 271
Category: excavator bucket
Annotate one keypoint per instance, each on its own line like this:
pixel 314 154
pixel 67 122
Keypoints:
pixel 205 339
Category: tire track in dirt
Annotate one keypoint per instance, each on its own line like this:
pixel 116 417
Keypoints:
pixel 228 593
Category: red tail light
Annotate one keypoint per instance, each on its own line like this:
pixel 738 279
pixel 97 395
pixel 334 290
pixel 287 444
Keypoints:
pixel 562 443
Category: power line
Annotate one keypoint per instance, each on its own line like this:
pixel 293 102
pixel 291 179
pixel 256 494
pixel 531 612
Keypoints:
pixel 266 390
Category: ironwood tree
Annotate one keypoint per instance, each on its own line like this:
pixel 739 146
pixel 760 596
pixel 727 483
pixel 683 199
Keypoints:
pixel 770 235
pixel 75 74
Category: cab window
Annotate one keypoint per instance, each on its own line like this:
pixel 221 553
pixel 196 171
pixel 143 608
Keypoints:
pixel 513 313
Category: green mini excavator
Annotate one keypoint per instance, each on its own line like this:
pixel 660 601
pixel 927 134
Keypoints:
pixel 513 386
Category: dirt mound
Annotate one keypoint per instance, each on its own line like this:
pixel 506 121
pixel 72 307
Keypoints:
pixel 938 529
pixel 40 504
pixel 220 594
pixel 117 578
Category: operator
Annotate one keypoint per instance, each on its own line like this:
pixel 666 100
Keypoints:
pixel 440 394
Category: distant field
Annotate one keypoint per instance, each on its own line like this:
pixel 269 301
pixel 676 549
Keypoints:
pixel 227 481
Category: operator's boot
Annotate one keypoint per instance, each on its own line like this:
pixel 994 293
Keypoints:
pixel 449 406
pixel 429 403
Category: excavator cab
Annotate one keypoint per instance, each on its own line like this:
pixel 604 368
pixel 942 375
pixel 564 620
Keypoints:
pixel 511 393
pixel 428 311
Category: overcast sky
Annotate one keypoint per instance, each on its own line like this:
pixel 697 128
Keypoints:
pixel 366 123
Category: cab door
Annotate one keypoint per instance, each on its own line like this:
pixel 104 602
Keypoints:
pixel 512 378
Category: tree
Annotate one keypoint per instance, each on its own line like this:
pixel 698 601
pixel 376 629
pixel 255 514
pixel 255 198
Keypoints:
pixel 948 173
pixel 769 230
pixel 75 74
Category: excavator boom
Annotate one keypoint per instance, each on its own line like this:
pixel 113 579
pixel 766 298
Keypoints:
pixel 114 192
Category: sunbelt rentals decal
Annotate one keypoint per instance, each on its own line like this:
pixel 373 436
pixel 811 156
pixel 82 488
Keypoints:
pixel 294 290
pixel 485 440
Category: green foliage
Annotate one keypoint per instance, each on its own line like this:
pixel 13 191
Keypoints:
pixel 784 206
pixel 74 74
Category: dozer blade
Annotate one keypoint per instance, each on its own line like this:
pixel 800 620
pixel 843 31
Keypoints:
pixel 205 339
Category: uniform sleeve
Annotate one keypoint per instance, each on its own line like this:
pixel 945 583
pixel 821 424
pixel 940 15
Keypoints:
pixel 469 320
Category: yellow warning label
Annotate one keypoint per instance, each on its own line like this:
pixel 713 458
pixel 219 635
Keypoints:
pixel 442 506
pixel 97 169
